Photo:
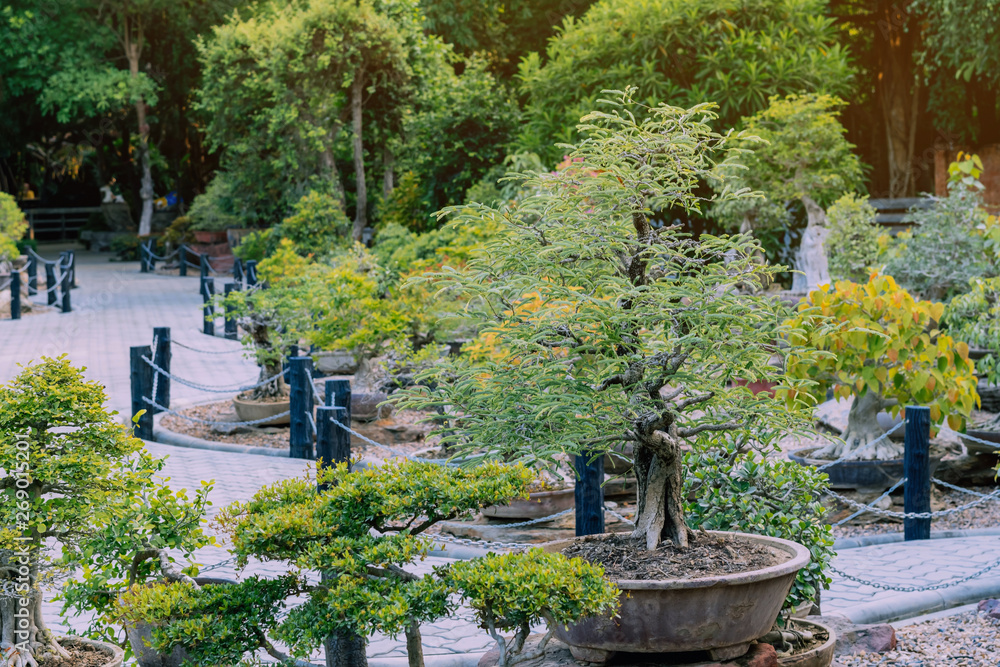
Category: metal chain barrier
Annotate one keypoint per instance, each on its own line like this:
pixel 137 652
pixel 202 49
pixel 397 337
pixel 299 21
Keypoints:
pixel 392 450
pixel 915 589
pixel 618 516
pixel 210 388
pixel 979 440
pixel 209 422
pixel 200 351
pixel 872 505
pixel 161 258
pixel 853 456
pixel 914 515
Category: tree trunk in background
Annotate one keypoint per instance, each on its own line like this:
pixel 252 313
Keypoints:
pixel 345 650
pixel 133 50
pixel 898 91
pixel 361 214
pixel 388 177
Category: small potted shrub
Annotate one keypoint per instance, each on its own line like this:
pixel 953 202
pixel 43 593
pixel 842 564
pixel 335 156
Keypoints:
pixel 360 529
pixel 884 350
pixel 213 212
pixel 640 333
pixel 79 479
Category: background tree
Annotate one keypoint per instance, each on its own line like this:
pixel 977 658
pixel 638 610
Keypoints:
pixel 735 53
pixel 805 158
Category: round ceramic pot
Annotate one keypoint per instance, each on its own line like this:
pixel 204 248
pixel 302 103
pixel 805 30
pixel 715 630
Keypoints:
pixel 865 476
pixel 115 655
pixel 821 656
pixel 249 411
pixel 547 503
pixel 721 614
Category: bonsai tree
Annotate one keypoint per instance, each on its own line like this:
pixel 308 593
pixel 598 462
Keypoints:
pixel 951 243
pixel 974 318
pixel 806 159
pixel 361 529
pixel 855 237
pixel 617 328
pixel 80 482
pixel 888 352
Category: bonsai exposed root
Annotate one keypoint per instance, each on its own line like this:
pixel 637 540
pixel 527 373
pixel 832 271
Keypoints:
pixel 863 429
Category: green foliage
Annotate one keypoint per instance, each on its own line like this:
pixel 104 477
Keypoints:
pixel 736 53
pixel 360 529
pixel 764 496
pixel 216 209
pixel 460 127
pixel 179 231
pixel 12 227
pixel 947 247
pixel 518 590
pixel 317 224
pixel 887 344
pixel 974 318
pixel 125 247
pixel 581 297
pixel 91 490
pixel 405 207
pixel 853 242
pixel 804 155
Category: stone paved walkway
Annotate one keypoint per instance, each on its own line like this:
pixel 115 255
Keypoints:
pixel 117 307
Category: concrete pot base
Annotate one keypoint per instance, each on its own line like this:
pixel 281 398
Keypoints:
pixel 720 614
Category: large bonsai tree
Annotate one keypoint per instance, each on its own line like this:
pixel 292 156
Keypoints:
pixel 886 352
pixel 78 481
pixel 614 326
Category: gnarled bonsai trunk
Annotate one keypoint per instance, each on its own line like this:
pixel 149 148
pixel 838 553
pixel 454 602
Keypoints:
pixel 24 629
pixel 345 650
pixel 811 265
pixel 863 429
pixel 659 472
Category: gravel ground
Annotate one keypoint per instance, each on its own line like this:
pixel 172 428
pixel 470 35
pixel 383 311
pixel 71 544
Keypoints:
pixel 965 640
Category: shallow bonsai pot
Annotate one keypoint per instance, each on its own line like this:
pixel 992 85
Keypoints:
pixel 721 614
pixel 115 655
pixel 249 411
pixel 978 447
pixel 821 656
pixel 336 362
pixel 140 636
pixel 865 476
pixel 547 503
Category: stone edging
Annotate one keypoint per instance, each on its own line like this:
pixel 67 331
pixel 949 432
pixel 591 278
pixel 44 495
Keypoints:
pixel 907 605
pixel 890 538
pixel 167 437
pixel 453 660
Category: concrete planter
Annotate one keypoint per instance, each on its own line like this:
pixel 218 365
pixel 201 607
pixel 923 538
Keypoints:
pixel 336 362
pixel 865 476
pixel 115 655
pixel 721 614
pixel 249 411
pixel 821 656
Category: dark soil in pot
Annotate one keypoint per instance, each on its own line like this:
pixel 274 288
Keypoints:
pixel 86 653
pixel 625 557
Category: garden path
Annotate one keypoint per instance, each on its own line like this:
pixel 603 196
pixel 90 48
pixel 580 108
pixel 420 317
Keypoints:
pixel 116 307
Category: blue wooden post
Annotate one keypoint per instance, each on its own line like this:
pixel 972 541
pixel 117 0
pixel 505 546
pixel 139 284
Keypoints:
pixel 15 295
pixel 143 268
pixel 142 387
pixel 67 307
pixel 917 470
pixel 208 296
pixel 50 283
pixel 589 494
pixel 72 269
pixel 182 256
pixel 338 393
pixel 32 274
pixel 238 271
pixel 300 436
pixel 251 272
pixel 161 357
pixel 230 325
pixel 324 434
pixel 150 258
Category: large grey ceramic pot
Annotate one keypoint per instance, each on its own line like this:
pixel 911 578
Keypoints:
pixel 115 655
pixel 721 614
pixel 140 636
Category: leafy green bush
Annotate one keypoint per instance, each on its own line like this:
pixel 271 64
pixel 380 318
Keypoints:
pixel 764 496
pixel 317 224
pixel 360 529
pixel 853 242
pixel 951 243
pixel 974 317
pixel 406 207
pixel 12 227
pixel 125 247
pixel 516 591
pixel 216 209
